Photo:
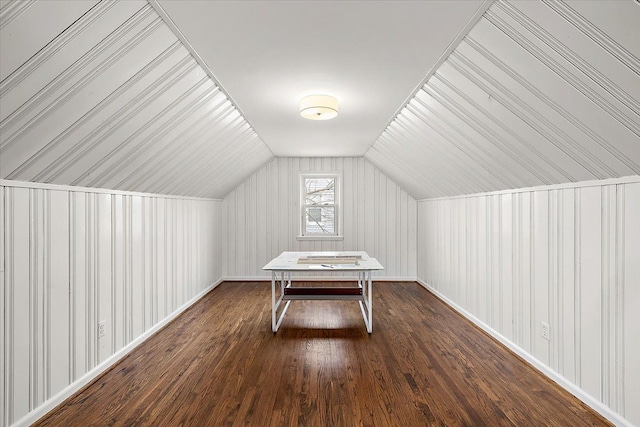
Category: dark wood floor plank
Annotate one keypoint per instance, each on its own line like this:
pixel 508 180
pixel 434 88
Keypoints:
pixel 219 364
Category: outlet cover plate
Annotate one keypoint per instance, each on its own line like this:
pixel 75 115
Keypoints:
pixel 546 333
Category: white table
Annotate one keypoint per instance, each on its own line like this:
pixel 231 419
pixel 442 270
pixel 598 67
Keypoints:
pixel 301 262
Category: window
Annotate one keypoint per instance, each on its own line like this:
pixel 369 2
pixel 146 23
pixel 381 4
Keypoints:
pixel 319 205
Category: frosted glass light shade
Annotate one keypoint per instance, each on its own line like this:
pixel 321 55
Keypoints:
pixel 319 107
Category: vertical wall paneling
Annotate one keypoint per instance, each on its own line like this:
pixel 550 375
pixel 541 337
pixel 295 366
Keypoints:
pixel 262 216
pixel 72 258
pixel 3 373
pixel 541 274
pixel 17 303
pixel 617 322
pixel 609 290
pixel 92 231
pixel 412 230
pixel 38 309
pixel 527 268
pixel 148 294
pixel 567 293
pixel 136 286
pixel 496 264
pixel 482 270
pixel 630 294
pixel 160 261
pixel 169 255
pixel 179 252
pixel 118 279
pixel 104 284
pixel 591 290
pixel 57 283
pixel 507 252
pixel 127 241
pixel 79 262
pixel 566 256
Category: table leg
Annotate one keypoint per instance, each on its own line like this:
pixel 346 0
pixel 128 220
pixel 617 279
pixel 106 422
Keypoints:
pixel 364 282
pixel 276 302
pixel 370 324
pixel 273 301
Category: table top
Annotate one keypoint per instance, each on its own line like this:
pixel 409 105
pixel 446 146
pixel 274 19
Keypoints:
pixel 288 261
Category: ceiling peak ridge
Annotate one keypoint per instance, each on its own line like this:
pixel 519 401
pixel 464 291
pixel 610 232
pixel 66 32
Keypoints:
pixel 174 28
pixel 482 9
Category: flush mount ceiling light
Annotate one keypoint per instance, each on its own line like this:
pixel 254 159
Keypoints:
pixel 318 107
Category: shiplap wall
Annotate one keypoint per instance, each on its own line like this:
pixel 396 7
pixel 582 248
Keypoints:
pixel 262 217
pixel 74 257
pixel 565 256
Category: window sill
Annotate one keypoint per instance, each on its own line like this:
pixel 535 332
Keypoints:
pixel 320 238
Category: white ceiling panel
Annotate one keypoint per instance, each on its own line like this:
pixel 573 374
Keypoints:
pixel 536 93
pixel 109 96
pixel 49 18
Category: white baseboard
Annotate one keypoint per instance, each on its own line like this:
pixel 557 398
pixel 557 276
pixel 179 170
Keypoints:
pixel 595 404
pixel 318 279
pixel 87 378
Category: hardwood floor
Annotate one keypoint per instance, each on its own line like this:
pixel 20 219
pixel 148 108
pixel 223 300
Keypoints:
pixel 219 364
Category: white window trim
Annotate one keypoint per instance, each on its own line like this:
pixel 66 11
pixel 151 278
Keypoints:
pixel 338 206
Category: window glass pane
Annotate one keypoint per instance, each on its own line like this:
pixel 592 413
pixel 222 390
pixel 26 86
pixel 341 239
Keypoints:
pixel 319 191
pixel 320 220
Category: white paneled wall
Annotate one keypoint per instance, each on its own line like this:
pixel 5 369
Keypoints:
pixel 568 256
pixel 74 257
pixel 262 217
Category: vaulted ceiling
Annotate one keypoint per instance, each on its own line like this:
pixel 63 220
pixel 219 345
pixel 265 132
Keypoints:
pixel 446 98
pixel 370 55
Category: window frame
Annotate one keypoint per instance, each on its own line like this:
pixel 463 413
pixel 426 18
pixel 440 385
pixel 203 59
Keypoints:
pixel 337 235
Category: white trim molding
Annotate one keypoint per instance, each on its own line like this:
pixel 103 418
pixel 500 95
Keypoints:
pixel 582 184
pixel 46 186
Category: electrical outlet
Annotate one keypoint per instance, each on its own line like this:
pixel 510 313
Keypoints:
pixel 102 328
pixel 546 333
